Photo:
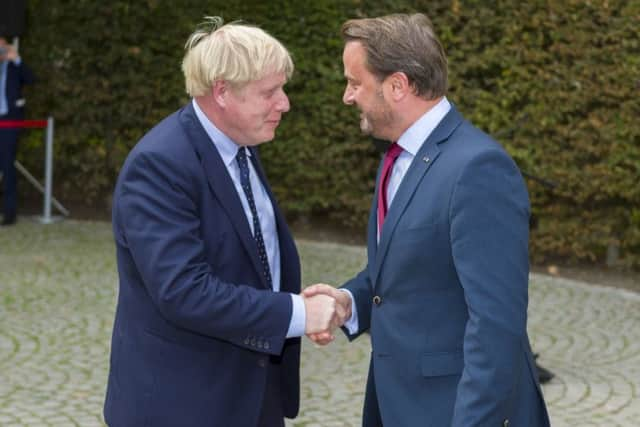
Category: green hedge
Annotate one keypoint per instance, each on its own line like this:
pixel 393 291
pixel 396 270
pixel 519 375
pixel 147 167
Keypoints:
pixel 562 76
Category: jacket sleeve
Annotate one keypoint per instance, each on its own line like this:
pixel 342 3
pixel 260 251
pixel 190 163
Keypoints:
pixel 158 223
pixel 25 73
pixel 360 288
pixel 489 215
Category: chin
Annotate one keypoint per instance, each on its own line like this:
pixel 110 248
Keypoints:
pixel 365 127
pixel 266 138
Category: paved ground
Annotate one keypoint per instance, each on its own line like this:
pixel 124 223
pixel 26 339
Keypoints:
pixel 57 295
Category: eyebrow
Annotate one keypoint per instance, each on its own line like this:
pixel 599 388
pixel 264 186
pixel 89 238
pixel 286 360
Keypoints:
pixel 273 88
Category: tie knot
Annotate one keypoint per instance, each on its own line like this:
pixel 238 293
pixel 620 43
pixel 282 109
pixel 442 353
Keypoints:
pixel 242 155
pixel 394 151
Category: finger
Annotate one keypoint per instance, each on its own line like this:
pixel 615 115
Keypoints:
pixel 323 342
pixel 318 288
pixel 315 337
pixel 309 292
pixel 326 337
pixel 321 338
pixel 331 314
pixel 312 290
pixel 338 320
pixel 340 317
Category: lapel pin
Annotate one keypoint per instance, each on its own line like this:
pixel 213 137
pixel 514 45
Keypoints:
pixel 426 159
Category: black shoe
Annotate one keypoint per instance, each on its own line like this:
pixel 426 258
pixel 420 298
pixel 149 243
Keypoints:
pixel 8 220
pixel 544 375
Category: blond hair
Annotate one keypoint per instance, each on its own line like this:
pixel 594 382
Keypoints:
pixel 235 52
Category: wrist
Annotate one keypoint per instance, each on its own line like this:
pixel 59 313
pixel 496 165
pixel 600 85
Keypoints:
pixel 344 299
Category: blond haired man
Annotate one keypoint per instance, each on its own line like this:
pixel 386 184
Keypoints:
pixel 209 314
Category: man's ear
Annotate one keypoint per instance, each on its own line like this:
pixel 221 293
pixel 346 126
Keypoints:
pixel 219 91
pixel 399 85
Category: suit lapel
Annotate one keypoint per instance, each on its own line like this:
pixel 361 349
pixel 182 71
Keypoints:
pixel 221 184
pixel 289 262
pixel 423 160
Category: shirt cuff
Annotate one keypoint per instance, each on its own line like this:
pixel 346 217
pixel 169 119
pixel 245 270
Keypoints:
pixel 17 61
pixel 352 322
pixel 298 317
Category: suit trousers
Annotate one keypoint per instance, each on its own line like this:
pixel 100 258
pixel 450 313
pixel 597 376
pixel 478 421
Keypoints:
pixel 371 412
pixel 8 148
pixel 271 414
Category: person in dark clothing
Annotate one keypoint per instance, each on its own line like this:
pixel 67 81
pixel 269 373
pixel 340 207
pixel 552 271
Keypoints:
pixel 14 74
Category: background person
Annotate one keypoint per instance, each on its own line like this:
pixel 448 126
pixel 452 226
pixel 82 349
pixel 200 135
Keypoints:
pixel 14 74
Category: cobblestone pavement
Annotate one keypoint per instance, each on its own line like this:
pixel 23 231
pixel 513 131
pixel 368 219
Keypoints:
pixel 57 294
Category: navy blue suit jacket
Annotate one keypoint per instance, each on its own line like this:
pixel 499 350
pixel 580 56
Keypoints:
pixel 196 324
pixel 449 339
pixel 17 76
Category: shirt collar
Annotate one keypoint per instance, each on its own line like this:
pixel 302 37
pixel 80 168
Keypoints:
pixel 225 145
pixel 413 138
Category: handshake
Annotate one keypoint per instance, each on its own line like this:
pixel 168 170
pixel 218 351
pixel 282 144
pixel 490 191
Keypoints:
pixel 327 308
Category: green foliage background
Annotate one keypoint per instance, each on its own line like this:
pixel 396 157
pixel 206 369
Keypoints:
pixel 557 81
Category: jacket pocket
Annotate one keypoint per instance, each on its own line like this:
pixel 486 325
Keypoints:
pixel 442 364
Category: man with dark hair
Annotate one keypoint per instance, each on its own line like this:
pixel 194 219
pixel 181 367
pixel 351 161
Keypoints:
pixel 444 293
pixel 13 75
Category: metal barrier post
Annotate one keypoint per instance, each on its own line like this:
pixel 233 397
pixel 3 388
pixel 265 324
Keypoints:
pixel 47 190
pixel 48 173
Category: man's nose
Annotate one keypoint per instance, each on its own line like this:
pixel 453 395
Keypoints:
pixel 347 98
pixel 283 103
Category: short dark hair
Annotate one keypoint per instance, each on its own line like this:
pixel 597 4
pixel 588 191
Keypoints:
pixel 405 43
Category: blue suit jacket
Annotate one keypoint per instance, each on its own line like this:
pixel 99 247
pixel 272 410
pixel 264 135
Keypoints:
pixel 17 76
pixel 449 339
pixel 196 324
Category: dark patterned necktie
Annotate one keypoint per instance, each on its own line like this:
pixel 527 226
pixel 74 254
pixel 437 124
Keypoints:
pixel 241 158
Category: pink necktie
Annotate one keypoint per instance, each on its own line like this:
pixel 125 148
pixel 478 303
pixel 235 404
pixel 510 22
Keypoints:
pixel 390 157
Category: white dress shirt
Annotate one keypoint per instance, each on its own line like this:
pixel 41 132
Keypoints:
pixel 411 141
pixel 228 151
pixel 4 69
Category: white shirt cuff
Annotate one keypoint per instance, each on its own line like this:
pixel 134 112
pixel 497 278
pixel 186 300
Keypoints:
pixel 298 317
pixel 352 322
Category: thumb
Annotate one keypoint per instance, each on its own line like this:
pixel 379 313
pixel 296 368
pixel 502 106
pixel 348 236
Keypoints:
pixel 315 290
pixel 309 292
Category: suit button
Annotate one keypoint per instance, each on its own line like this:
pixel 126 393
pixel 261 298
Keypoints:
pixel 253 342
pixel 266 345
pixel 262 362
pixel 505 423
pixel 377 300
pixel 246 341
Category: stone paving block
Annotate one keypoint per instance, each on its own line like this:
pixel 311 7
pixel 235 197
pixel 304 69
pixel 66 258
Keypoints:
pixel 58 288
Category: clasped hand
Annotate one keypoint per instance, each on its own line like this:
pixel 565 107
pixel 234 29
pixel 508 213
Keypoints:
pixel 327 308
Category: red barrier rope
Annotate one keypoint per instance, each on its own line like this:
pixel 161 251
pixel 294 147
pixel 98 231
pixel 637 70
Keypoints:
pixel 7 124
